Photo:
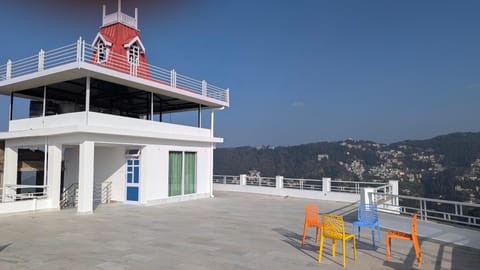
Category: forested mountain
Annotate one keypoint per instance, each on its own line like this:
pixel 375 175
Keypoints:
pixel 446 166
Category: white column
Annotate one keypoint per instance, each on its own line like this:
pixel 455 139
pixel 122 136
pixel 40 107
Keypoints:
pixel 394 186
pixel 243 179
pixel 54 174
pixel 212 122
pixel 87 99
pixel 366 196
pixel 211 170
pixel 9 171
pixel 326 185
pixel 85 177
pixel 278 181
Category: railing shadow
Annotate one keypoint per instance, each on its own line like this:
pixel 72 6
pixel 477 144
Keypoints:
pixel 2 247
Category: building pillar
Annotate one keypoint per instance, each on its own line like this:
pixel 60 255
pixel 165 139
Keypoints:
pixel 326 185
pixel 243 179
pixel 10 167
pixel 366 196
pixel 54 175
pixel 278 181
pixel 85 177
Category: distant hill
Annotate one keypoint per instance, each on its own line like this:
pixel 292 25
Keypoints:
pixel 446 166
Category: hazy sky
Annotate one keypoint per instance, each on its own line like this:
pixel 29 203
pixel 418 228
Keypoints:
pixel 299 71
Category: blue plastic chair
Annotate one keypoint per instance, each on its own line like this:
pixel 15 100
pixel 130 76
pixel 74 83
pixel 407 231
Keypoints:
pixel 367 217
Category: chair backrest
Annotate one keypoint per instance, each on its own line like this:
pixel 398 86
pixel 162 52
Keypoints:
pixel 333 226
pixel 311 214
pixel 367 213
pixel 414 228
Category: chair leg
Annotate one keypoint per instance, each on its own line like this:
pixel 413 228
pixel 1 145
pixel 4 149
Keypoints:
pixel 358 232
pixel 304 233
pixel 417 252
pixel 320 252
pixel 316 235
pixel 344 254
pixel 373 236
pixel 354 249
pixel 334 244
pixel 379 237
pixel 388 241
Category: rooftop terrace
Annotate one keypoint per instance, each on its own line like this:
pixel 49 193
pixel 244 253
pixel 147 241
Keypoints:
pixel 231 231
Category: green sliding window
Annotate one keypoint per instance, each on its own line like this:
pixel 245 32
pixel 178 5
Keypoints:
pixel 182 172
pixel 175 173
pixel 190 172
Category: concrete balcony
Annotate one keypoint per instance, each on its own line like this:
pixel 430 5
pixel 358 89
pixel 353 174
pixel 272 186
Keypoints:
pixel 100 123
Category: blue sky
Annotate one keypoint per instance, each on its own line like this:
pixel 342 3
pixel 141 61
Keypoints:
pixel 299 71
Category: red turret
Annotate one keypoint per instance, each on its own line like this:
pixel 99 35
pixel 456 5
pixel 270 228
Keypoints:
pixel 118 45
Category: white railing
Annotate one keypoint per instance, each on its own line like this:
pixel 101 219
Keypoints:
pixel 102 192
pixel 303 184
pixel 69 196
pixel 14 193
pixel 84 52
pixel 431 209
pixel 226 179
pixel 325 185
pixel 352 186
pixel 261 181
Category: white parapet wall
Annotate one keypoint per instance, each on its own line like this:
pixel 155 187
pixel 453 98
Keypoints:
pixel 25 206
pixel 298 193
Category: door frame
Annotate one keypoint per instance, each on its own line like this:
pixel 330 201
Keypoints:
pixel 127 184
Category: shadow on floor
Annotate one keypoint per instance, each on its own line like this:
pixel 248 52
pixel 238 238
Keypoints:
pixel 2 247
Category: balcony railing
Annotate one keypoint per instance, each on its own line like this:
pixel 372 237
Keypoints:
pixel 14 193
pixel 325 184
pixel 430 209
pixel 84 52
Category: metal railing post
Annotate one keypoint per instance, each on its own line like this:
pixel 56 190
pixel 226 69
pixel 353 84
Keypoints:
pixel 326 185
pixel 79 49
pixel 83 51
pixel 243 179
pixel 278 181
pixel 204 88
pixel 8 72
pixel 173 78
pixel 41 59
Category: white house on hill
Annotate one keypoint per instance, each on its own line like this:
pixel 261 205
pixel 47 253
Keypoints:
pixel 94 130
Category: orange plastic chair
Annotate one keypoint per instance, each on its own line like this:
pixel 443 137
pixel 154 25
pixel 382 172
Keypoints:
pixel 312 219
pixel 334 228
pixel 405 236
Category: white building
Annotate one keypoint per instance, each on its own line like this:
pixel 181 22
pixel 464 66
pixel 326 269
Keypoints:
pixel 95 124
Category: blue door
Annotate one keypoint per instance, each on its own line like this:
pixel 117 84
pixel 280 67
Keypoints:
pixel 133 177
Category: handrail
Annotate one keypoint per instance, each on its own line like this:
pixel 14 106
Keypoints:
pixel 84 52
pixel 69 196
pixel 431 209
pixel 15 193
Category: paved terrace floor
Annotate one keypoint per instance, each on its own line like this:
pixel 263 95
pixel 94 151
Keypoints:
pixel 231 231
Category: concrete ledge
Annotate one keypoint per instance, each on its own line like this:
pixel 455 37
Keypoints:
pixel 25 206
pixel 297 193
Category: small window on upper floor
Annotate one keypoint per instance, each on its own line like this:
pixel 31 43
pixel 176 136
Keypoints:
pixel 133 54
pixel 101 52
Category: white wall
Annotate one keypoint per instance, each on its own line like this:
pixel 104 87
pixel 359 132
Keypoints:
pixel 155 169
pixel 110 166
